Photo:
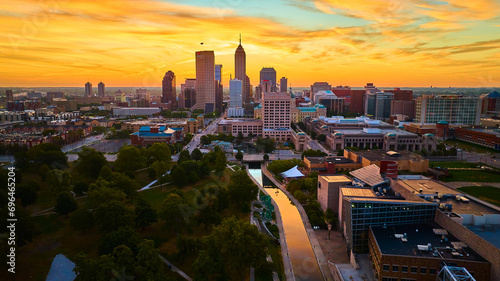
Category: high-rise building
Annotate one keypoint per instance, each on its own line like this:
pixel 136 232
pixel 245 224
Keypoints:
pixel 283 85
pixel 378 105
pixel 235 93
pixel 219 90
pixel 454 109
pixel 205 81
pixel 490 102
pixel 247 90
pixel 100 89
pixel 319 86
pixel 9 95
pixel 268 73
pixel 187 98
pixel 169 94
pixel 88 89
pixel 240 71
pixel 276 108
pixel 218 72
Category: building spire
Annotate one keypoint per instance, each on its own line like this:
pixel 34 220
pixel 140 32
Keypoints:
pixel 240 38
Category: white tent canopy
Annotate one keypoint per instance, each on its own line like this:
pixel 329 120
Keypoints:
pixel 292 173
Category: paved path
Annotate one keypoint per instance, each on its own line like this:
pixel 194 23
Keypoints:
pixel 175 268
pixel 320 257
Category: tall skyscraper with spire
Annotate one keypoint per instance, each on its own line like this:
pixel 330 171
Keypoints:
pixel 168 89
pixel 240 70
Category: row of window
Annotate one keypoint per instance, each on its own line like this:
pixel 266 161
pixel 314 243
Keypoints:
pixel 413 269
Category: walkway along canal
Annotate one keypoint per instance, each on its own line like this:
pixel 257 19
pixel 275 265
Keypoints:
pixel 303 260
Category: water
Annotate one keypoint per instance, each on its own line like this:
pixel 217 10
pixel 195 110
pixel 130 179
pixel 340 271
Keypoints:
pixel 304 263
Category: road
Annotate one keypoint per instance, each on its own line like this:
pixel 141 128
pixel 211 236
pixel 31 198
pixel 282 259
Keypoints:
pixel 313 144
pixel 85 142
pixel 209 130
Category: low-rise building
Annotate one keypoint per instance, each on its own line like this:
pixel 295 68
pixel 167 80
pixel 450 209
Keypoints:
pixel 328 190
pixel 480 136
pixel 330 164
pixel 244 126
pixel 156 134
pixel 189 126
pixel 407 161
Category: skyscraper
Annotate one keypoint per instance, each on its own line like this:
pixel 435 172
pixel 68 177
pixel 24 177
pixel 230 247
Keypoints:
pixel 283 85
pixel 268 73
pixel 187 98
pixel 205 80
pixel 88 89
pixel 235 93
pixel 276 116
pixel 169 94
pixel 378 105
pixel 240 70
pixel 219 92
pixel 9 95
pixel 100 89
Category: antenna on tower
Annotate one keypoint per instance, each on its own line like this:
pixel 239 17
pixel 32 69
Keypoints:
pixel 240 38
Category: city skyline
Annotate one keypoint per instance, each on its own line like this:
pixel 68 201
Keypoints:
pixel 394 43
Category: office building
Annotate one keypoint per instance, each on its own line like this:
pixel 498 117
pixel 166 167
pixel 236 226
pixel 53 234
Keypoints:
pixel 319 86
pixel 357 103
pixel 187 98
pixel 168 92
pixel 407 161
pixel 147 136
pixel 54 95
pixel 276 116
pixel 101 89
pixel 218 72
pixel 454 109
pixel 240 71
pixel 378 105
pixel 420 251
pixel 205 81
pixel 268 73
pixel 243 126
pixel 235 93
pixel 283 85
pixel 328 190
pixel 490 102
pixel 88 89
pixel 219 92
pixel 9 95
pixel 480 136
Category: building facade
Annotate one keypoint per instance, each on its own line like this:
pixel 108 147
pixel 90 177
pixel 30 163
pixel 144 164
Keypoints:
pixel 205 79
pixel 283 85
pixel 268 73
pixel 276 113
pixel 454 109
pixel 101 89
pixel 378 105
pixel 88 89
pixel 168 93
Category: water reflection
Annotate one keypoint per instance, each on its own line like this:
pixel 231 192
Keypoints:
pixel 304 262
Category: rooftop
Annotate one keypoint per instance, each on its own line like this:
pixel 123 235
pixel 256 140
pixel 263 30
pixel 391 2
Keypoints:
pixel 357 192
pixel 490 233
pixel 333 159
pixel 418 237
pixel 427 187
pixel 495 132
pixel 336 178
pixel 382 132
pixel 369 175
pixel 379 155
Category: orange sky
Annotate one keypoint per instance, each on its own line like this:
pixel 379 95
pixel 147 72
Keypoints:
pixel 133 43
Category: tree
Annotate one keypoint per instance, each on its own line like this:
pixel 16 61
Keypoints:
pixel 205 267
pixel 160 168
pixel 47 153
pixel 59 181
pixel 188 137
pixel 98 195
pixel 43 172
pixel 124 235
pixel 196 155
pixel 179 177
pixel 149 266
pixel 144 214
pixel 124 257
pixel 322 138
pixel 241 188
pixel 82 220
pixel 183 156
pixel 193 177
pixel 106 173
pixel 65 203
pixel 80 187
pixel 239 156
pixel 312 152
pixel 237 246
pixel 266 157
pixel 299 195
pixel 175 212
pixel 27 193
pixel 129 159
pixel 158 152
pixel 113 215
pixel 90 162
pixel 265 144
pixel 220 162
pixel 205 140
pixel 210 214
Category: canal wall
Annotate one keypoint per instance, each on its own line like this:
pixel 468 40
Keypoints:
pixel 320 257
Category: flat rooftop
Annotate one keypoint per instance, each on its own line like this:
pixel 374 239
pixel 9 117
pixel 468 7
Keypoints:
pixel 357 192
pixel 422 234
pixel 379 155
pixel 490 233
pixel 495 132
pixel 333 159
pixel 382 132
pixel 336 178
pixel 428 187
pixel 468 208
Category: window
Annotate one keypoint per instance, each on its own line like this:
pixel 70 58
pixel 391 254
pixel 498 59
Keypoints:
pixel 414 269
pixel 423 270
pixel 395 268
pixel 386 267
pixel 432 271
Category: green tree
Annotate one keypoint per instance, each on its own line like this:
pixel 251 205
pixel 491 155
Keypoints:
pixel 238 246
pixel 90 162
pixel 124 257
pixel 205 140
pixel 322 138
pixel 25 227
pixel 27 194
pixel 158 152
pixel 98 195
pixel 179 177
pixel 144 214
pixel 193 177
pixel 183 156
pixel 210 214
pixel 113 215
pixel 241 188
pixel 82 220
pixel 205 267
pixel 49 154
pixel 129 159
pixel 266 157
pixel 65 203
pixel 267 145
pixel 239 156
pixel 149 266
pixel 175 212
pixel 220 162
pixel 106 173
pixel 160 168
pixel 312 152
pixel 80 187
pixel 196 155
pixel 43 172
pixel 124 235
pixel 59 181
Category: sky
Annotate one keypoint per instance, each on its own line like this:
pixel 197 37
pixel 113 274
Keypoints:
pixel 132 43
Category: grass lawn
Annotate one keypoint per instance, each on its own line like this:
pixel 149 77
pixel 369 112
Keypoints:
pixel 453 164
pixel 469 146
pixel 142 178
pixel 473 176
pixel 489 194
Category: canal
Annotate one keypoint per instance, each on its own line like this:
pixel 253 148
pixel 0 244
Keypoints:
pixel 304 263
